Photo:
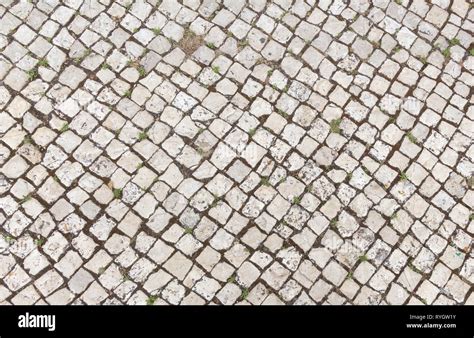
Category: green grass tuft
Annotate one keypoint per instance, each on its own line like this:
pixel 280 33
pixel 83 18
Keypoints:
pixel 216 69
pixel 446 53
pixel 26 199
pixel 265 181
pixel 43 63
pixel 151 300
pixel 454 42
pixel 412 138
pixel 296 200
pixel 64 128
pixel 335 126
pixel 245 294
pixel 40 241
pixel 32 74
pixel 117 193
pixel 403 176
pixel 141 71
pixel 142 136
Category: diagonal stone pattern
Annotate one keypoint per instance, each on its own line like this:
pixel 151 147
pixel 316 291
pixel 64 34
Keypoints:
pixel 236 152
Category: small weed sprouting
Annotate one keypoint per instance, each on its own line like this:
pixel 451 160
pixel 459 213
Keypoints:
pixel 201 151
pixel 81 58
pixel 391 120
pixel 156 31
pixel 403 176
pixel 39 242
pixel 117 193
pixel 454 42
pixel 151 300
pixel 216 69
pixel 412 138
pixel 245 294
pixel 9 239
pixel 446 53
pixel 363 258
pixel 335 126
pixel 43 63
pixel 265 181
pixel 32 74
pixel 28 140
pixel 141 70
pixel 243 43
pixel 283 113
pixel 26 199
pixel 296 200
pixel 64 128
pixel 142 136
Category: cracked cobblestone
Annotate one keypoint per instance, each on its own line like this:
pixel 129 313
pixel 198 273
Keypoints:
pixel 236 152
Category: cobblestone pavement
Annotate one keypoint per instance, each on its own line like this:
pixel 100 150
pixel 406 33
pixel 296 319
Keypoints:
pixel 233 152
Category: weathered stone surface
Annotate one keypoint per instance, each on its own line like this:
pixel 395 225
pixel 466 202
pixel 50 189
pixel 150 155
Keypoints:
pixel 236 152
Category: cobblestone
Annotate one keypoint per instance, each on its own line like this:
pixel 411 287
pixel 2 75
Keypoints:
pixel 262 152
